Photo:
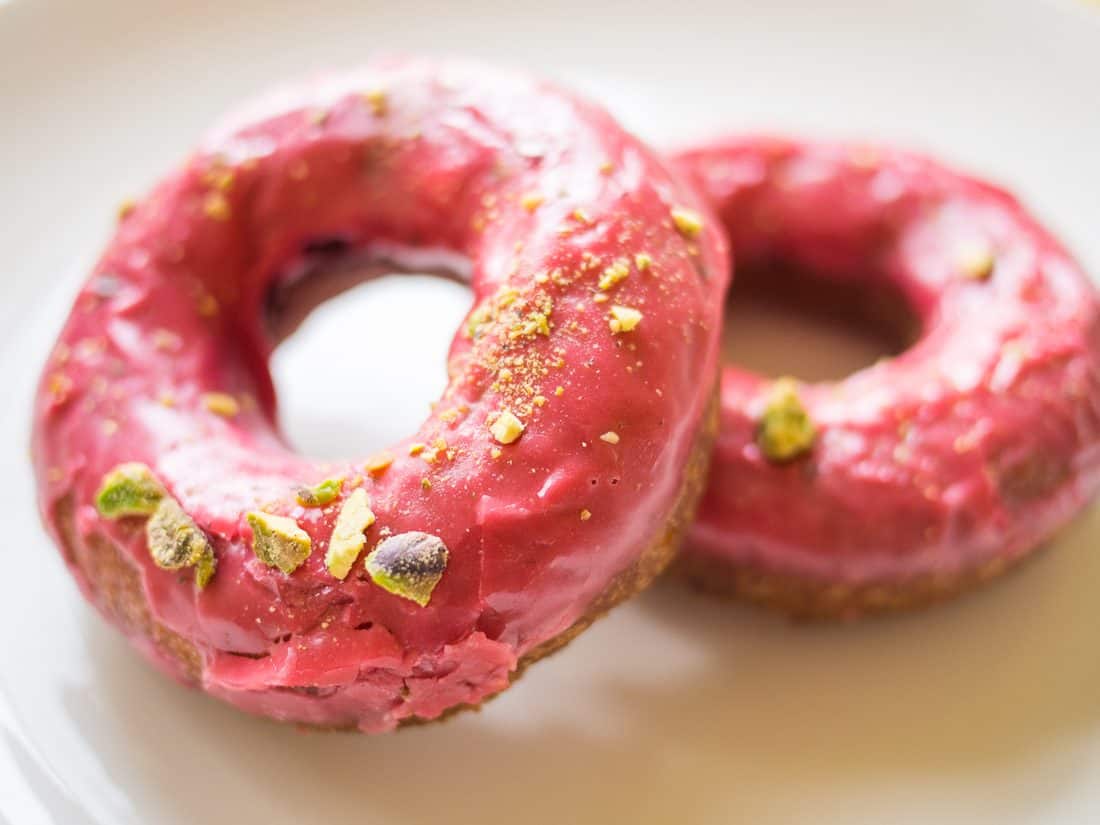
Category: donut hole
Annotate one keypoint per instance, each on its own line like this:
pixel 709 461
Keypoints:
pixel 785 321
pixel 361 345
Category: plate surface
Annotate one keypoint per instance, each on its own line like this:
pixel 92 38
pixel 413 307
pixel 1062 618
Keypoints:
pixel 674 709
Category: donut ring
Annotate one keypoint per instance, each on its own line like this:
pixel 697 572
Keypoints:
pixel 550 481
pixel 923 474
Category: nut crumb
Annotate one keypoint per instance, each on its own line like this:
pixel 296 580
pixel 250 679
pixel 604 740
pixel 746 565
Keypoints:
pixel 506 428
pixel 611 437
pixel 688 222
pixel 376 99
pixel 975 260
pixel 216 207
pixel 624 319
pixel 221 403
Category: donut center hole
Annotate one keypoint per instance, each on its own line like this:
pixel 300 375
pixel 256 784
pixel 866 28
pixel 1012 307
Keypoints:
pixel 362 349
pixel 783 321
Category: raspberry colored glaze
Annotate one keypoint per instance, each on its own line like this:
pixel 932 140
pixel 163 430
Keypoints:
pixel 959 455
pixel 416 155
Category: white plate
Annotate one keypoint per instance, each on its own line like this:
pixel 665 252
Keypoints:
pixel 674 709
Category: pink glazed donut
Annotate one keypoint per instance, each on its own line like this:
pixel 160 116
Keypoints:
pixel 925 473
pixel 551 480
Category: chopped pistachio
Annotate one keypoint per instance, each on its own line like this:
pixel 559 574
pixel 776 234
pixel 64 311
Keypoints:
pixel 378 464
pixel 618 271
pixel 586 515
pixel 531 201
pixel 688 222
pixel 506 428
pixel 376 99
pixel 216 206
pixel 642 261
pixel 611 437
pixel 624 319
pixel 976 260
pixel 175 541
pixel 278 541
pixel 785 430
pixel 319 494
pixel 205 568
pixel 478 318
pixel 559 390
pixel 207 305
pixel 221 403
pixel 409 565
pixel 348 534
pixel 129 490
pixel 126 208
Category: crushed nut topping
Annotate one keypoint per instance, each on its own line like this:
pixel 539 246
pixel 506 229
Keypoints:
pixel 611 437
pixel 624 319
pixel 618 271
pixel 129 490
pixel 349 534
pixel 221 403
pixel 376 99
pixel 216 207
pixel 505 427
pixel 975 260
pixel 379 463
pixel 278 541
pixel 785 430
pixel 175 542
pixel 687 222
pixel 409 565
pixel 319 494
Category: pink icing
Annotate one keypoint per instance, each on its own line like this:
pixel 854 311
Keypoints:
pixel 442 159
pixel 973 445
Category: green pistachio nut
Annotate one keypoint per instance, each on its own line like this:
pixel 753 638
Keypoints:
pixel 785 430
pixel 175 542
pixel 409 565
pixel 320 494
pixel 129 490
pixel 348 534
pixel 278 541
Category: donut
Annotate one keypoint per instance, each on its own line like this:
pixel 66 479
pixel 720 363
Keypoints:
pixel 550 481
pixel 926 473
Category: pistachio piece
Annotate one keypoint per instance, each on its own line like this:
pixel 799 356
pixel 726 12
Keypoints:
pixel 175 541
pixel 278 541
pixel 624 319
pixel 976 260
pixel 319 494
pixel 688 222
pixel 506 428
pixel 129 490
pixel 785 430
pixel 409 565
pixel 348 534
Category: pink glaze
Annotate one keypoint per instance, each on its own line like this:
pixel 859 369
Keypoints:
pixel 401 154
pixel 969 448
